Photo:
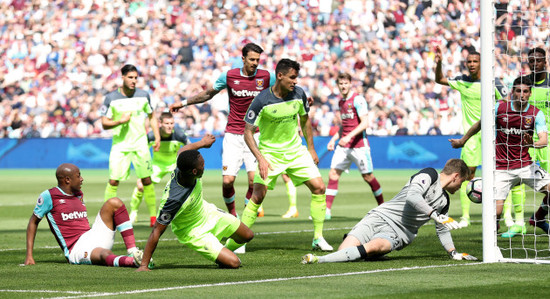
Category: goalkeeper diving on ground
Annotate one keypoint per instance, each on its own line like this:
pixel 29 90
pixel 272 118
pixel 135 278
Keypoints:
pixel 394 224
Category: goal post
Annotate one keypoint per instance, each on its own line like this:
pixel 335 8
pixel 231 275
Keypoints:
pixel 534 245
pixel 491 252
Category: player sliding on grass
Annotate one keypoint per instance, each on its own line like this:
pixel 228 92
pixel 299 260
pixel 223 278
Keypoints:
pixel 394 224
pixel 276 112
pixel 196 223
pixel 66 212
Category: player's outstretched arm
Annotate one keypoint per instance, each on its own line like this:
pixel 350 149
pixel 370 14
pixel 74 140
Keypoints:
pixel 206 142
pixel 458 143
pixel 201 97
pixel 31 235
pixel 439 78
pixel 158 230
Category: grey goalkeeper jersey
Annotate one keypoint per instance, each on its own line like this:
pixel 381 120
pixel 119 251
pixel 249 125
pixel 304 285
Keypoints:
pixel 412 206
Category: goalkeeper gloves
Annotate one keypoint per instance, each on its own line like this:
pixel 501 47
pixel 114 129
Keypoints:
pixel 447 221
pixel 458 256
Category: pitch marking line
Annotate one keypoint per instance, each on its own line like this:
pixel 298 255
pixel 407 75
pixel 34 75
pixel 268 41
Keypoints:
pixel 261 281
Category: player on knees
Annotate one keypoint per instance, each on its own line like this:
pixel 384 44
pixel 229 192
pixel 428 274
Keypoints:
pixel 196 223
pixel 242 85
pixel 275 112
pixel 353 147
pixel 516 122
pixel 65 210
pixel 124 112
pixel 394 224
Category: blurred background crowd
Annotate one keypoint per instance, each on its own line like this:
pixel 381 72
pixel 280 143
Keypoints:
pixel 60 57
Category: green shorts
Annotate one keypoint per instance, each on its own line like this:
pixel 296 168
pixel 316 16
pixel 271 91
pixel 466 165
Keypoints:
pixel 119 164
pixel 299 166
pixel 159 171
pixel 541 155
pixel 471 152
pixel 206 235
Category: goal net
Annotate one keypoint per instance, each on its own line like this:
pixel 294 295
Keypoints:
pixel 509 30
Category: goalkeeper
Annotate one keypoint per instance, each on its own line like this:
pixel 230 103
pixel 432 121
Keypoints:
pixel 394 224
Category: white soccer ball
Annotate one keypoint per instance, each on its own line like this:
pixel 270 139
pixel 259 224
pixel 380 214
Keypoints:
pixel 473 190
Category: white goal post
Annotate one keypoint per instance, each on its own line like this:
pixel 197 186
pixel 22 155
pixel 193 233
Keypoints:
pixel 533 246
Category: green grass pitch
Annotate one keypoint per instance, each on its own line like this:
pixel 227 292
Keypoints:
pixel 271 267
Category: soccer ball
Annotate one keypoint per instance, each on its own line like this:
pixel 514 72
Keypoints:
pixel 473 190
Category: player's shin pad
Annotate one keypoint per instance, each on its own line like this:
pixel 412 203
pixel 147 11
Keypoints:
pixel 317 209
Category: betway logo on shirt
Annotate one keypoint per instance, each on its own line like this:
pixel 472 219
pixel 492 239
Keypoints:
pixel 512 131
pixel 244 93
pixel 348 115
pixel 74 215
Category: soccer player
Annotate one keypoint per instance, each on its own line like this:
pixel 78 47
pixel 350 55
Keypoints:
pixel 196 223
pixel 242 85
pixel 469 87
pixel 124 111
pixel 65 210
pixel 164 160
pixel 516 121
pixel 353 147
pixel 540 99
pixel 394 224
pixel 275 112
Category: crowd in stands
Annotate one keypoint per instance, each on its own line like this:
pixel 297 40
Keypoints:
pixel 59 58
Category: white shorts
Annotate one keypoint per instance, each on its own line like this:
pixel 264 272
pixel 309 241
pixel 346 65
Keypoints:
pixel 98 236
pixel 533 176
pixel 360 156
pixel 235 153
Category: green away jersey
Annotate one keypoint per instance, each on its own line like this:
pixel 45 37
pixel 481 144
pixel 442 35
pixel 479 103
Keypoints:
pixel 470 95
pixel 277 119
pixel 169 146
pixel 131 135
pixel 181 206
pixel 540 96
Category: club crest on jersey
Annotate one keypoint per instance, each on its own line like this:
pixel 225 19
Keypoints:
pixel 528 120
pixel 260 84
pixel 224 168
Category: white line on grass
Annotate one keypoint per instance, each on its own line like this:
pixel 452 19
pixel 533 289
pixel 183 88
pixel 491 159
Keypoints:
pixel 46 291
pixel 262 281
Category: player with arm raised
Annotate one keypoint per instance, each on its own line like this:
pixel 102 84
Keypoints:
pixel 124 111
pixel 164 160
pixel 469 87
pixel 275 111
pixel 67 216
pixel 394 224
pixel 353 146
pixel 516 121
pixel 196 223
pixel 242 85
